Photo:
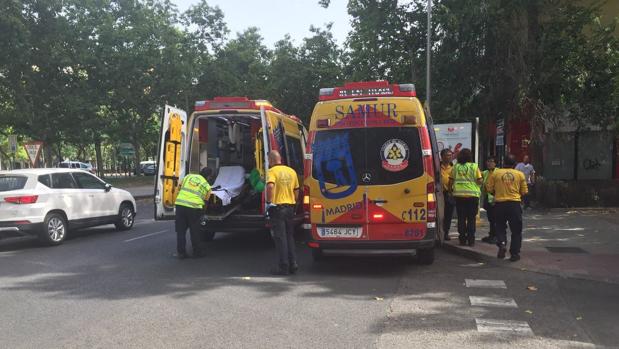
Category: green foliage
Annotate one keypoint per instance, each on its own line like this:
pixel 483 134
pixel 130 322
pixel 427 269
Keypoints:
pixel 81 73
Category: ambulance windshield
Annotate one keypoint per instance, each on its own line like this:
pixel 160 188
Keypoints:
pixel 367 156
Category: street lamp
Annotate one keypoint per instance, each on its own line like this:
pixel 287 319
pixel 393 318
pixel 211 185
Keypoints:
pixel 428 54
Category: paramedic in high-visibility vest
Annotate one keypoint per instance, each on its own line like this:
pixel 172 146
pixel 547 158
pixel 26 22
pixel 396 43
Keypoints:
pixel 282 192
pixel 193 192
pixel 465 181
pixel 508 185
pixel 488 201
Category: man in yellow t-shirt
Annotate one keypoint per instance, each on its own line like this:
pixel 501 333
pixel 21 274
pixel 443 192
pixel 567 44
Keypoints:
pixel 282 192
pixel 446 167
pixel 508 186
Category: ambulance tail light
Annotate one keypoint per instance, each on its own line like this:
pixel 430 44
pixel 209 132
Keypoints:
pixel 431 211
pixel 378 216
pixel 426 150
pixel 431 221
pixel 430 188
pixel 306 205
pixel 313 244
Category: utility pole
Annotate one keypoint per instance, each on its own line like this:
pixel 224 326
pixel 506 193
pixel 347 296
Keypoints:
pixel 428 54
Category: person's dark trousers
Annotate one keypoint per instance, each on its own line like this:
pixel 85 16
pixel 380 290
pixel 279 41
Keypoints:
pixel 467 208
pixel 491 220
pixel 187 217
pixel 526 199
pixel 449 212
pixel 509 212
pixel 283 235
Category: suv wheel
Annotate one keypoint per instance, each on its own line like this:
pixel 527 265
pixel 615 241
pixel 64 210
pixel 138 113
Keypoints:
pixel 54 229
pixel 126 217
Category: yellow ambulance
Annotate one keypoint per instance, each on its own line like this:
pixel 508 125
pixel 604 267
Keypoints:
pixel 371 183
pixel 227 135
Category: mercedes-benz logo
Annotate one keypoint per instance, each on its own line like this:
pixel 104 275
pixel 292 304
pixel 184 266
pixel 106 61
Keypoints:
pixel 367 177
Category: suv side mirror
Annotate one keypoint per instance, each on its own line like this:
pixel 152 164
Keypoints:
pixel 108 187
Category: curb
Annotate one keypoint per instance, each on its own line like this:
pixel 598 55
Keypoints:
pixel 491 260
pixel 143 197
pixel 585 209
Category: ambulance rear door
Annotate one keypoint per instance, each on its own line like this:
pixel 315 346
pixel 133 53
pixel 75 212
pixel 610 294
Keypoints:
pixel 171 161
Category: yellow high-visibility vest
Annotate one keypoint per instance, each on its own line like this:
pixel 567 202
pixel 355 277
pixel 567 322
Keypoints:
pixel 465 180
pixel 193 191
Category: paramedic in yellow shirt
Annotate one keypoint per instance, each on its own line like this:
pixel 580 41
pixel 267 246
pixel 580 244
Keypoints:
pixel 282 192
pixel 508 186
pixel 446 167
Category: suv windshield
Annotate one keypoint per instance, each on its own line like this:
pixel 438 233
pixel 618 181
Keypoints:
pixel 388 155
pixel 8 183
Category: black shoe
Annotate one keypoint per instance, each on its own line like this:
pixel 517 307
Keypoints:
pixel 501 254
pixel 471 243
pixel 180 255
pixel 293 268
pixel 447 238
pixel 514 258
pixel 489 240
pixel 462 242
pixel 279 272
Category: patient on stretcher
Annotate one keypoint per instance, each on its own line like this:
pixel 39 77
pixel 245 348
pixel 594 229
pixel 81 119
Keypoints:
pixel 229 183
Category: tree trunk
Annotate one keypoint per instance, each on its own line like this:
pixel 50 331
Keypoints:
pixel 99 156
pixel 136 148
pixel 47 151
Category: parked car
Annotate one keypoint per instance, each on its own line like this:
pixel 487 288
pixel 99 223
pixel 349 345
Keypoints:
pixel 76 164
pixel 52 202
pixel 149 170
pixel 143 165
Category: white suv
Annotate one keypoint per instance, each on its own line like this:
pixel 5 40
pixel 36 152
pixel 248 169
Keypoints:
pixel 49 201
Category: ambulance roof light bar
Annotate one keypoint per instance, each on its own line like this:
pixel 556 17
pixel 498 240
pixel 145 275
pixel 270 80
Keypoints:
pixel 233 103
pixel 379 88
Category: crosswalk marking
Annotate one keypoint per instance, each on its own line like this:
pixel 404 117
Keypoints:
pixel 493 302
pixel 485 283
pixel 503 326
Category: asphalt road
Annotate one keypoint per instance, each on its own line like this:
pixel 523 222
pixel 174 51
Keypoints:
pixel 108 289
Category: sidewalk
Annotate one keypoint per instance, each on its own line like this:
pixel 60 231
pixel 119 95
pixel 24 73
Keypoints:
pixel 141 192
pixel 574 243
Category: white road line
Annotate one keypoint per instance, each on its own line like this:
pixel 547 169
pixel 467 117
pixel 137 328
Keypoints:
pixel 147 235
pixel 485 283
pixel 493 302
pixel 503 326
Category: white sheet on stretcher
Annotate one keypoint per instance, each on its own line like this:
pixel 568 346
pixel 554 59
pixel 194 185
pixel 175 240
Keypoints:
pixel 230 180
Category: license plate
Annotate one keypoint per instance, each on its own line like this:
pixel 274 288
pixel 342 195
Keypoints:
pixel 339 232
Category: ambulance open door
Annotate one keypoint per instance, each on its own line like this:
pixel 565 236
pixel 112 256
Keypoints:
pixel 171 161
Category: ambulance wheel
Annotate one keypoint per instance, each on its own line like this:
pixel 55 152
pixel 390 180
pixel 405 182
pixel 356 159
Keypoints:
pixel 425 256
pixel 317 255
pixel 209 235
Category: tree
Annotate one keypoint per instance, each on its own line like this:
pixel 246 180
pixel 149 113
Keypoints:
pixel 36 86
pixel 142 60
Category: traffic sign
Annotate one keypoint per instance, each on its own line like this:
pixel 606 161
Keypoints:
pixel 13 143
pixel 33 149
pixel 126 149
